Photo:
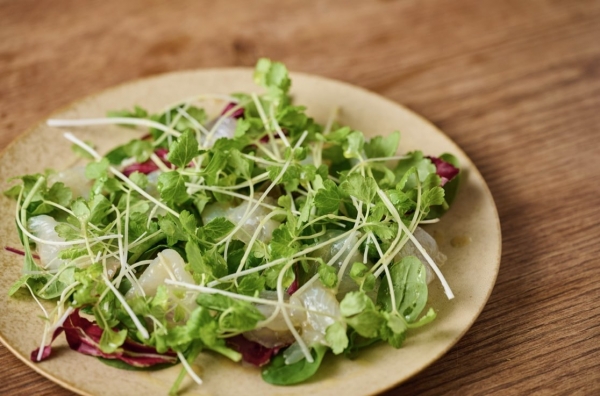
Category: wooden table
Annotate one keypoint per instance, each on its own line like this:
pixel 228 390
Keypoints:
pixel 515 83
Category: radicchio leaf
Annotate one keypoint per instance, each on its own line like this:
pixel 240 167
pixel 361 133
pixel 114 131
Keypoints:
pixel 252 352
pixel 148 166
pixel 237 114
pixel 445 170
pixel 84 336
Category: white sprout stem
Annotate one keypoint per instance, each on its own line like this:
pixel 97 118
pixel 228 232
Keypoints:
pixel 51 330
pixel 147 238
pixel 414 221
pixel 388 276
pixel 210 290
pixel 112 121
pixel 414 240
pixel 66 210
pixel 91 151
pixel 122 253
pixel 261 160
pixel 54 278
pixel 278 127
pixel 189 369
pixel 430 221
pixel 247 183
pixel 286 316
pixel 265 122
pixel 127 308
pixel 194 122
pixel 37 301
pixel 265 150
pixel 255 236
pixel 158 162
pixel 171 125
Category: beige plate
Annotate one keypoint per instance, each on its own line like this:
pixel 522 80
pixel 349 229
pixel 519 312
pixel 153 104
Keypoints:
pixel 471 269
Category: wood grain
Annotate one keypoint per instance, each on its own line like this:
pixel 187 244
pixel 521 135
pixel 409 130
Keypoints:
pixel 515 83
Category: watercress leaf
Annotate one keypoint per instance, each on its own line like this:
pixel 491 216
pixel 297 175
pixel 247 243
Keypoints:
pixel 354 145
pixel 215 302
pixel 196 114
pixel 140 179
pixel 96 170
pixel 369 282
pixel 358 271
pixel 423 167
pixel 432 197
pixel 99 207
pixel 423 320
pixel 339 135
pixel 139 149
pixel 216 263
pixel 195 259
pixel 381 147
pixel 283 243
pixel 242 166
pixel 59 194
pixel 81 210
pixel 393 330
pixel 336 337
pixel 242 317
pixel 172 229
pixel 360 187
pixel 67 232
pixel 183 150
pixel 366 323
pixel 171 186
pixel 328 198
pixel 354 303
pixel 216 229
pixel 188 222
pixel 251 284
pixel 328 275
pixel 111 340
pixel 273 76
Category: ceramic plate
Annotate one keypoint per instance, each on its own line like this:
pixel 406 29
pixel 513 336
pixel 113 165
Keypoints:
pixel 470 270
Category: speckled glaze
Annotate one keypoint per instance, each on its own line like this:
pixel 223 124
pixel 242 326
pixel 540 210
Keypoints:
pixel 470 270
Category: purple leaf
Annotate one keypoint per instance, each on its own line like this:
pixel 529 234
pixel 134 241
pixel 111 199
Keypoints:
pixel 84 336
pixel 148 166
pixel 239 113
pixel 252 352
pixel 445 170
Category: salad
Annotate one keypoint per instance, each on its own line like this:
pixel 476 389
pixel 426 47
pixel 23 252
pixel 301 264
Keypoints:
pixel 257 234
